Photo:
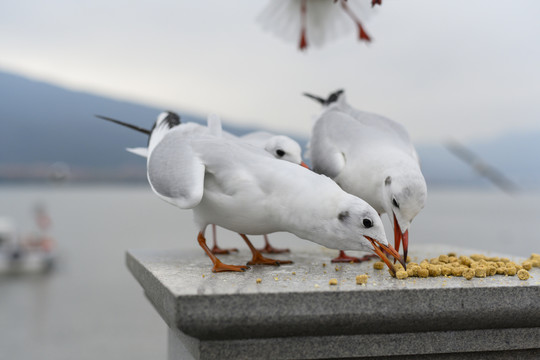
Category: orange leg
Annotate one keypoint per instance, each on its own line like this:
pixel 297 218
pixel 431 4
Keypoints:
pixel 218 265
pixel 216 249
pixel 269 249
pixel 258 259
pixel 344 258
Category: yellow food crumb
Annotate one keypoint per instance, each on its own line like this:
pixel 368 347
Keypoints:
pixel 294 272
pixel 323 264
pixel 361 279
pixel 457 271
pixel 523 274
pixel 336 268
pixel 259 280
pixel 443 258
pixel 401 274
pixel 332 282
pixel 468 274
pixel 423 273
pixel 446 270
pixel 511 270
pixel 316 285
pixel 379 265
pixel 480 271
pixel 276 278
pixel 434 270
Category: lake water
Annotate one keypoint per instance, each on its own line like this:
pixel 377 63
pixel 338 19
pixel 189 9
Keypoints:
pixel 91 307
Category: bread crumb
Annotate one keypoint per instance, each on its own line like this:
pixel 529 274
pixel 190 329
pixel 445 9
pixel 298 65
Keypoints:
pixel 379 265
pixel 401 274
pixel 323 264
pixel 316 285
pixel 294 272
pixel 336 268
pixel 468 274
pixel 443 258
pixel 259 280
pixel 333 282
pixel 423 273
pixel 510 270
pixel 480 271
pixel 276 278
pixel 361 279
pixel 523 274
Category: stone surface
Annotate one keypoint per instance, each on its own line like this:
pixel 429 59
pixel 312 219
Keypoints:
pixel 294 310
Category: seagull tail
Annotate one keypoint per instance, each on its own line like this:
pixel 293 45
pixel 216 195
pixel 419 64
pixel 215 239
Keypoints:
pixel 144 131
pixel 141 151
pixel 316 98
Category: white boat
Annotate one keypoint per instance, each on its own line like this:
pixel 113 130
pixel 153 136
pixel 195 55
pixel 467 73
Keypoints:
pixel 33 255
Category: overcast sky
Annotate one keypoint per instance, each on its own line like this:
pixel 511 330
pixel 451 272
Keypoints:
pixel 455 68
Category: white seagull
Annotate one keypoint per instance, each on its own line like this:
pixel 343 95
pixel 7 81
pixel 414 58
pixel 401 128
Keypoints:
pixel 228 183
pixel 315 21
pixel 372 157
pixel 281 147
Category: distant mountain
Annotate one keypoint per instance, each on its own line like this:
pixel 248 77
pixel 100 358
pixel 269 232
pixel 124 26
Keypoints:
pixel 43 124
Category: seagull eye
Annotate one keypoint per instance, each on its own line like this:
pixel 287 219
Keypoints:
pixel 367 223
pixel 280 152
pixel 395 203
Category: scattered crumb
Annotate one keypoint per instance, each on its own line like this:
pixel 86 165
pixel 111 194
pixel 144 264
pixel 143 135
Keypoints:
pixel 294 272
pixel 468 274
pixel 323 264
pixel 523 274
pixel 337 268
pixel 333 282
pixel 361 279
pixel 402 274
pixel 259 280
pixel 379 265
pixel 203 275
pixel 276 278
pixel 316 285
pixel 423 273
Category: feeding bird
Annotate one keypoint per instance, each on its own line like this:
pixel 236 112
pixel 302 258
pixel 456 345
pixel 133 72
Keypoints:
pixel 372 157
pixel 315 21
pixel 280 146
pixel 235 186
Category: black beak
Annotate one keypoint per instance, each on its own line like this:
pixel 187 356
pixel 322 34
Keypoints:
pixel 144 131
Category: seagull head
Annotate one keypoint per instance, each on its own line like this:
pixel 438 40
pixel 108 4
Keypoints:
pixel 404 195
pixel 165 122
pixel 284 148
pixel 359 227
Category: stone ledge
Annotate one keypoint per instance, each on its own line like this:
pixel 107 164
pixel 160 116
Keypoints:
pixel 232 306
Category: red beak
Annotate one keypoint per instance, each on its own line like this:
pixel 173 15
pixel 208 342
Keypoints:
pixel 398 236
pixel 381 249
pixel 304 165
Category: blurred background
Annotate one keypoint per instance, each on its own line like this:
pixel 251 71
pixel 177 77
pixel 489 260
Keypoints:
pixel 462 76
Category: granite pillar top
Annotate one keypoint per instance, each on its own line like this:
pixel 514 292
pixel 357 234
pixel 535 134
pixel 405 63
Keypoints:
pixel 297 299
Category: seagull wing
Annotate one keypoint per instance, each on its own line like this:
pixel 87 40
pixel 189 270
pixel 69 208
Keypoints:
pixel 175 173
pixel 325 151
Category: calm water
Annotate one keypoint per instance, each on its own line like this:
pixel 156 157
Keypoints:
pixel 91 307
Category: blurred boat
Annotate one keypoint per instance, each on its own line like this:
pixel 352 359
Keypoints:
pixel 34 254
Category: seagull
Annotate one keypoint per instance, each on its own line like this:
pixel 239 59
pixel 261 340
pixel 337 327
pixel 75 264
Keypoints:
pixel 280 146
pixel 316 20
pixel 230 184
pixel 372 157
